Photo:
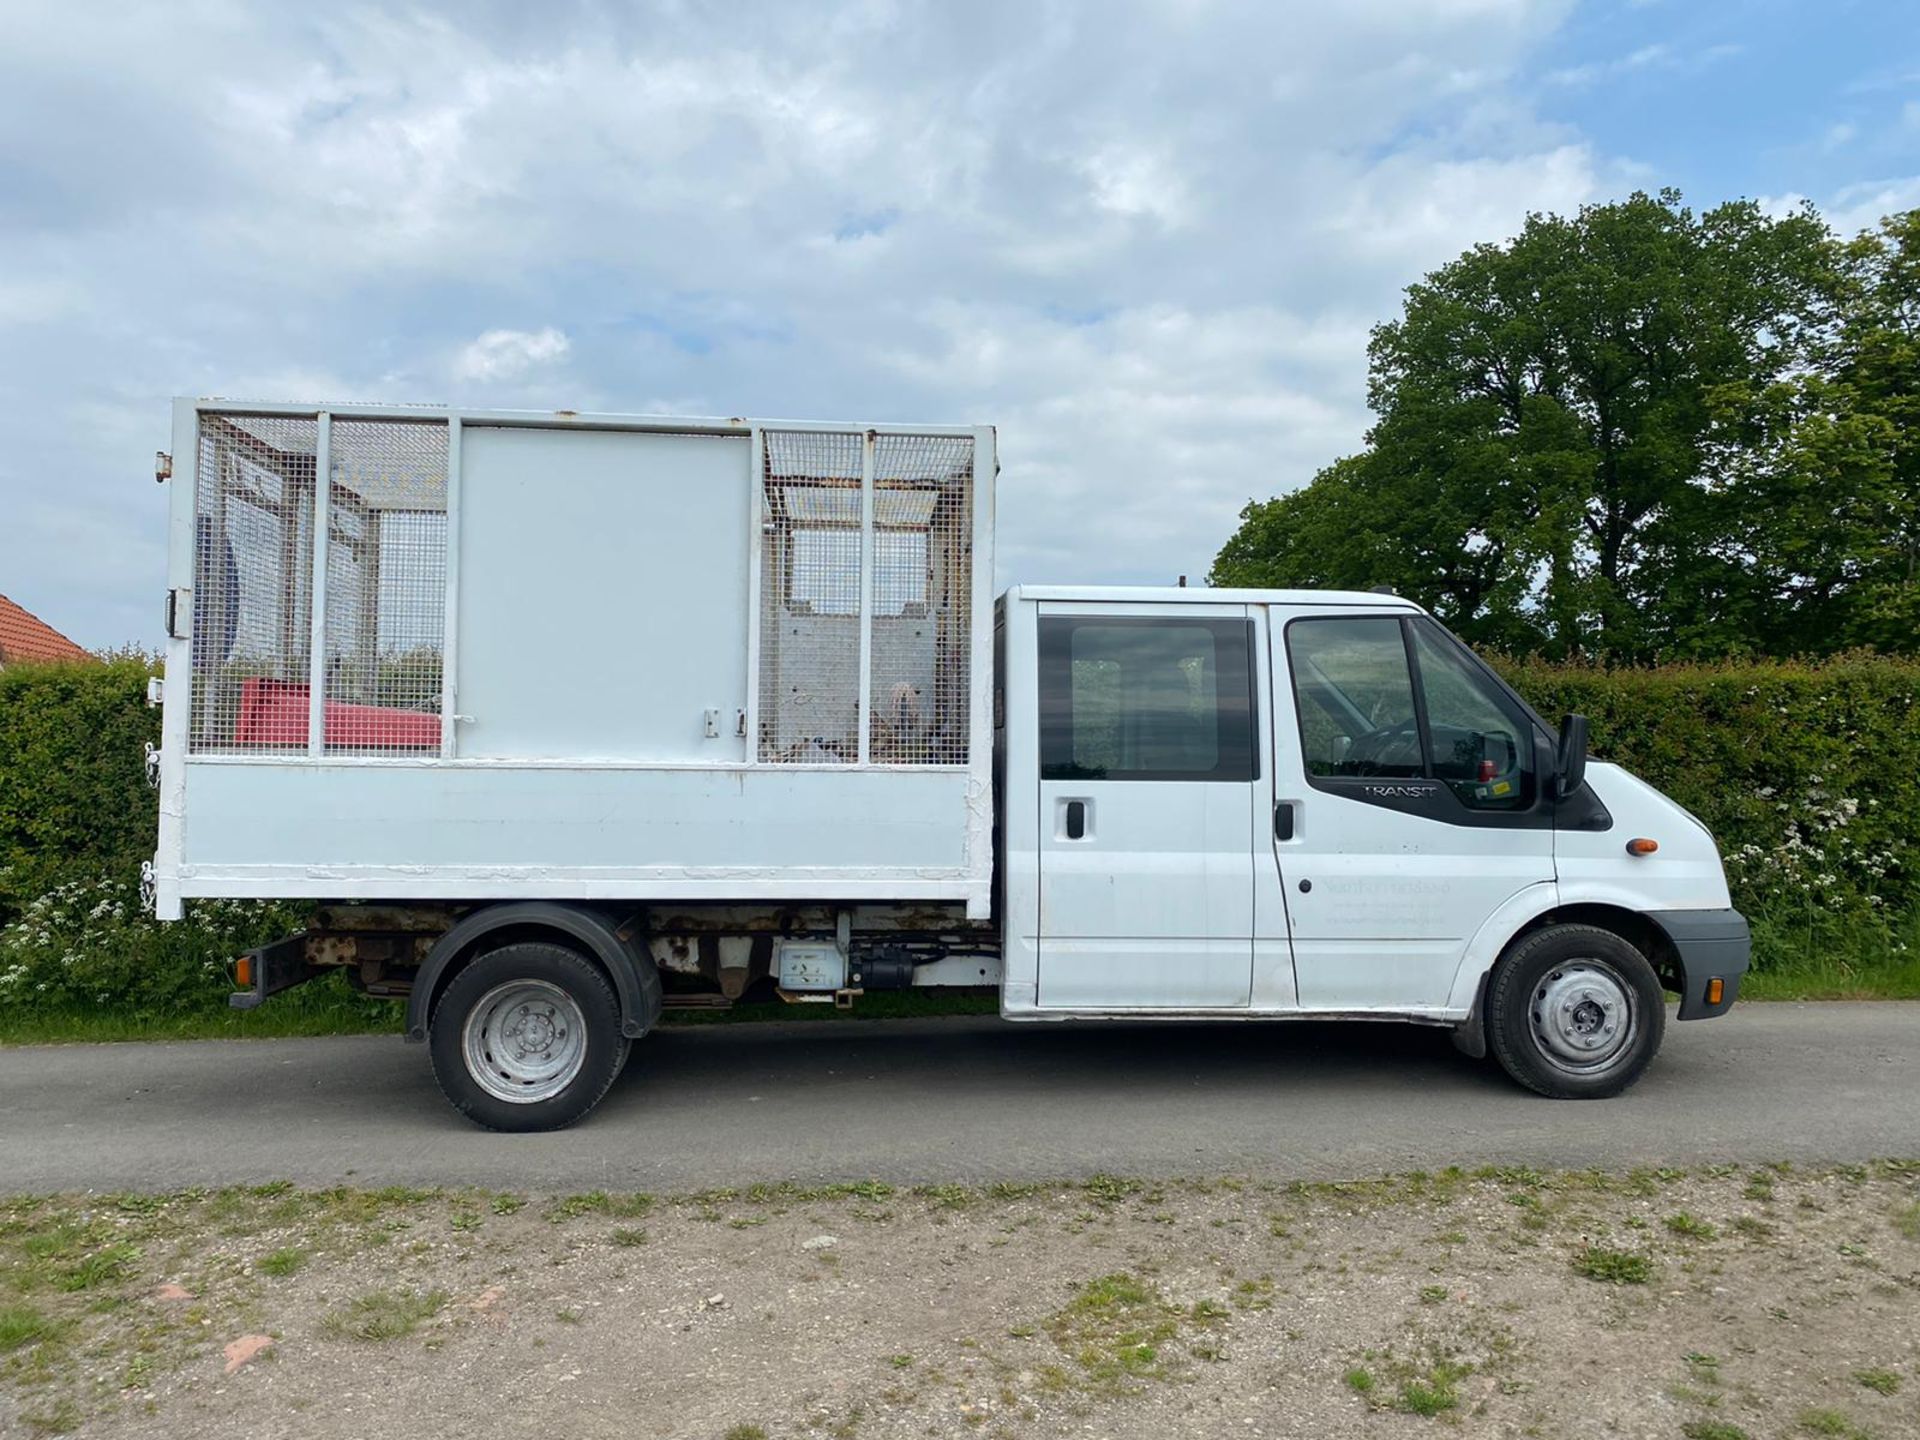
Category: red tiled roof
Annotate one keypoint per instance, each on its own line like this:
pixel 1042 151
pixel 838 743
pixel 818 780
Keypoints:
pixel 24 636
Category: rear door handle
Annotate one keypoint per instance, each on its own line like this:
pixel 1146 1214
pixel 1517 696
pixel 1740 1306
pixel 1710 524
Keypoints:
pixel 1076 820
pixel 1283 820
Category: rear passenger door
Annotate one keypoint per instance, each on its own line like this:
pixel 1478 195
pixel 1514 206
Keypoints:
pixel 1147 769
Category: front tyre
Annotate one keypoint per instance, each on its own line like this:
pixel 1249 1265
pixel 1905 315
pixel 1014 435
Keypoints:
pixel 527 1037
pixel 1575 1012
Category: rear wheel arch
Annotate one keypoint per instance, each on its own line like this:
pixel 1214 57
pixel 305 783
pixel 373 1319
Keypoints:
pixel 587 932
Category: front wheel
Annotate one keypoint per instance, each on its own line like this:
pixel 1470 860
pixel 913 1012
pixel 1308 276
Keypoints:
pixel 1575 1012
pixel 527 1037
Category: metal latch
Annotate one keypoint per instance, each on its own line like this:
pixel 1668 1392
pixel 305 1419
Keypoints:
pixel 153 765
pixel 176 610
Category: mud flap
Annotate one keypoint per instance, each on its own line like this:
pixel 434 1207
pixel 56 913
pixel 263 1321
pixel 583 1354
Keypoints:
pixel 1470 1035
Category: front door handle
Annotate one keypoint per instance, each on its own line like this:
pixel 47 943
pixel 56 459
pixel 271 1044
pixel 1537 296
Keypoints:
pixel 1283 820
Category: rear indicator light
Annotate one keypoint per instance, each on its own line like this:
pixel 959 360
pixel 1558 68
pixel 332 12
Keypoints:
pixel 1716 987
pixel 243 970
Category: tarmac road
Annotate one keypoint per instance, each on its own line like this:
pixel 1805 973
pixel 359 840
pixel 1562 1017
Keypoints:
pixel 959 1100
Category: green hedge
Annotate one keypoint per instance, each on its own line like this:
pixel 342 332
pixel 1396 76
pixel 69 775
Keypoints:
pixel 1807 773
pixel 73 788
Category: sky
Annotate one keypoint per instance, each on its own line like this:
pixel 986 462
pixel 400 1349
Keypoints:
pixel 1145 240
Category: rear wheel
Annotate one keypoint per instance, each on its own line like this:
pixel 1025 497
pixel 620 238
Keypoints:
pixel 1575 1012
pixel 527 1037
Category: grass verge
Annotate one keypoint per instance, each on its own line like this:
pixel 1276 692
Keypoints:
pixel 134 1305
pixel 1833 977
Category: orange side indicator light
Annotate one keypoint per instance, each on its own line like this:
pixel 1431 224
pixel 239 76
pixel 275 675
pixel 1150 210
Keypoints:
pixel 1716 988
pixel 1642 846
pixel 243 971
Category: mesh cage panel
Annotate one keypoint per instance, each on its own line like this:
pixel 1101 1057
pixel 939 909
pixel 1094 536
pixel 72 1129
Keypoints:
pixel 386 599
pixel 810 599
pixel 252 583
pixel 922 599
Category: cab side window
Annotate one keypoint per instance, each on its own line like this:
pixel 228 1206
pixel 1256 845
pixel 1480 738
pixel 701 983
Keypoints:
pixel 1355 692
pixel 1396 697
pixel 1481 747
pixel 1128 698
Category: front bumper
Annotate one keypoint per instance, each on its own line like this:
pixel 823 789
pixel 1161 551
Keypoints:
pixel 1707 945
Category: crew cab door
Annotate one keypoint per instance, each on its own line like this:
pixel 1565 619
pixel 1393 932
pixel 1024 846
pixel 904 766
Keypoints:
pixel 1411 803
pixel 1147 775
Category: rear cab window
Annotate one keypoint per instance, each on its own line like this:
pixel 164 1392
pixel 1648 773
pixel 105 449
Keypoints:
pixel 1146 698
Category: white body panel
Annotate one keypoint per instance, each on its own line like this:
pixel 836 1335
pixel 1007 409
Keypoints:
pixel 1121 905
pixel 598 675
pixel 571 831
pixel 604 534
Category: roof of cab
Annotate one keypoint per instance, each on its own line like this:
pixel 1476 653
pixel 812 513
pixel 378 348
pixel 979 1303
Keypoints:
pixel 1196 595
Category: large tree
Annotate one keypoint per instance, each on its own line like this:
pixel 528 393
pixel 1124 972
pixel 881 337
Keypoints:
pixel 1548 466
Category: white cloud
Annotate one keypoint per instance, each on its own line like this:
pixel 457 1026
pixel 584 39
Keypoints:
pixel 506 354
pixel 1859 207
pixel 1658 56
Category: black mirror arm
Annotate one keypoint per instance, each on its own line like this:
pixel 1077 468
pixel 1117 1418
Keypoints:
pixel 1570 770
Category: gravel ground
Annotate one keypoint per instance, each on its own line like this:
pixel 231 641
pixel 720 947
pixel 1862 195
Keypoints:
pixel 1715 1304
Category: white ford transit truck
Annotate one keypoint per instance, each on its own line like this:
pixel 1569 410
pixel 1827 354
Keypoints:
pixel 558 719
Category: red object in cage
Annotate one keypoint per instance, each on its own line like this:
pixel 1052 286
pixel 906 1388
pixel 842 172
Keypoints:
pixel 273 716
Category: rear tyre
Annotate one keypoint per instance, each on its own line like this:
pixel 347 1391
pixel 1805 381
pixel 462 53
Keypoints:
pixel 527 1037
pixel 1575 1012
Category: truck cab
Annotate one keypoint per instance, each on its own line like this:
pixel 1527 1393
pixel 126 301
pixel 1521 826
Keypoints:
pixel 1310 803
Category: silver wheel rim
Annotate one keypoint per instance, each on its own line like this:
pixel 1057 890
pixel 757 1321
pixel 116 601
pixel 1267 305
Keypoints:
pixel 1583 1017
pixel 524 1041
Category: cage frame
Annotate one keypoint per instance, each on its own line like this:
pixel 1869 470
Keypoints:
pixel 178 757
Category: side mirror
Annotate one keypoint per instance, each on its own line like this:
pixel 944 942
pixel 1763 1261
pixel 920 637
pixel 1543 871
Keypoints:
pixel 1570 761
